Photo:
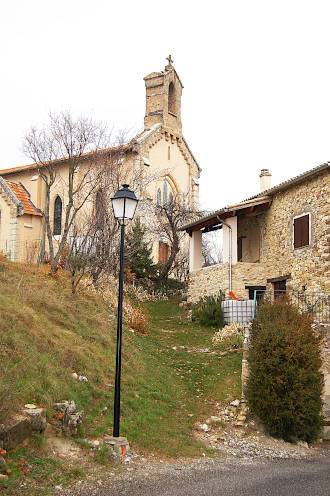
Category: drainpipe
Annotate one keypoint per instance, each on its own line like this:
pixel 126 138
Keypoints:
pixel 230 247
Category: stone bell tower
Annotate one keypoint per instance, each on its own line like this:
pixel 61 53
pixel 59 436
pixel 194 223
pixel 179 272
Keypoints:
pixel 163 98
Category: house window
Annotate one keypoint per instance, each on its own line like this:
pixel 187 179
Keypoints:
pixel 171 98
pixel 162 252
pixel 257 291
pixel 301 231
pixel 159 197
pixel 57 216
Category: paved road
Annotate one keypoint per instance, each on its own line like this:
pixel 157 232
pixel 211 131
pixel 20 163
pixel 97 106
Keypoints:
pixel 270 478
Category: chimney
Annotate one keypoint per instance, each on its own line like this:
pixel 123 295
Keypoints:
pixel 265 180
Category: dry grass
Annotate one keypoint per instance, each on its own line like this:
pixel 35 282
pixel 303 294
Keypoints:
pixel 46 334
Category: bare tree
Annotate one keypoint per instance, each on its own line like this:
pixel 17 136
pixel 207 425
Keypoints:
pixel 211 249
pixel 69 156
pixel 169 217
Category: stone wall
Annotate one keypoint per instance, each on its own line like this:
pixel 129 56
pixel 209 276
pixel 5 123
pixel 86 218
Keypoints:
pixel 210 280
pixel 308 267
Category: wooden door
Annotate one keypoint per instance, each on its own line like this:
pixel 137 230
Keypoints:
pixel 279 288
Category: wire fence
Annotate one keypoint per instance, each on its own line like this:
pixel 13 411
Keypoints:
pixel 316 304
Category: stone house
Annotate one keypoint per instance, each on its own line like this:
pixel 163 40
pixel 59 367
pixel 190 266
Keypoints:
pixel 276 240
pixel 159 151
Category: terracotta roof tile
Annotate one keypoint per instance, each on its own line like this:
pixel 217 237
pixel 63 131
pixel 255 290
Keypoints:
pixel 23 196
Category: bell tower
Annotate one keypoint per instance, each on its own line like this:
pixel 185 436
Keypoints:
pixel 163 98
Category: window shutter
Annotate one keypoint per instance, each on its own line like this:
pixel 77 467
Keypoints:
pixel 301 231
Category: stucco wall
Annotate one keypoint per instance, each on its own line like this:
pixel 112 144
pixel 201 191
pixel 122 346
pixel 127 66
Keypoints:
pixel 249 228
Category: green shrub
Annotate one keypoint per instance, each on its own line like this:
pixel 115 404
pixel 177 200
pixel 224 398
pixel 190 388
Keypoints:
pixel 208 311
pixel 285 383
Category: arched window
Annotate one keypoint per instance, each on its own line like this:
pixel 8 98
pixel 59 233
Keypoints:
pixel 164 193
pixel 170 197
pixel 99 203
pixel 57 216
pixel 159 197
pixel 171 98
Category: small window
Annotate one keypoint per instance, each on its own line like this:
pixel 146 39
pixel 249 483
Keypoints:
pixel 162 252
pixel 57 216
pixel 171 98
pixel 301 227
pixel 169 153
pixel 159 197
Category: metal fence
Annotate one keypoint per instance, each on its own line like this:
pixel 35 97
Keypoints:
pixel 313 303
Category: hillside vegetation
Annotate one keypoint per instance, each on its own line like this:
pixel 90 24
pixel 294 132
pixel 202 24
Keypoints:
pixel 47 334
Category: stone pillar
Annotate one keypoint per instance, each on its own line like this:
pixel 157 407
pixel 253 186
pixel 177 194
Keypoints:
pixel 13 239
pixel 195 251
pixel 232 221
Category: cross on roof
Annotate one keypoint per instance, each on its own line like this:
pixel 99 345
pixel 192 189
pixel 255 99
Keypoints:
pixel 170 60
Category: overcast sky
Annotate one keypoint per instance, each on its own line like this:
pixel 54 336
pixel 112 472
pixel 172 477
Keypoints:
pixel 255 74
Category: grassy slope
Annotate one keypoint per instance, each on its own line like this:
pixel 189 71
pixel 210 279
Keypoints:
pixel 46 334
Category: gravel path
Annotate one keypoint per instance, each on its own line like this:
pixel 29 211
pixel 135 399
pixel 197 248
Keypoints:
pixel 215 476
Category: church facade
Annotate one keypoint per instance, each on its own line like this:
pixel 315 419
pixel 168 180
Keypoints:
pixel 159 152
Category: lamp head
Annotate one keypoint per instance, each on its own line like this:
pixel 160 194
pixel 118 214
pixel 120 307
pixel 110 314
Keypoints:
pixel 124 203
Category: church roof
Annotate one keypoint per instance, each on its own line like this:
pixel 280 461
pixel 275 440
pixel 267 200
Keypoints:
pixel 138 139
pixel 38 165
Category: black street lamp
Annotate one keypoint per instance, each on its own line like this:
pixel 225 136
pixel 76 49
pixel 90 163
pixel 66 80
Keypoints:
pixel 124 203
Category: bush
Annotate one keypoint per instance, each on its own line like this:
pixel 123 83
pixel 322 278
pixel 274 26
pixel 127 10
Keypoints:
pixel 138 319
pixel 285 383
pixel 168 287
pixel 209 312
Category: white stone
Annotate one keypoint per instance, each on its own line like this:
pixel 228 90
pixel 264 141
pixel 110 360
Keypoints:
pixel 235 403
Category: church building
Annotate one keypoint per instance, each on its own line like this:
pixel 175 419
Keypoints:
pixel 159 151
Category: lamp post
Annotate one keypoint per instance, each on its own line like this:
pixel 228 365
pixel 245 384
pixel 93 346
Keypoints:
pixel 124 203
